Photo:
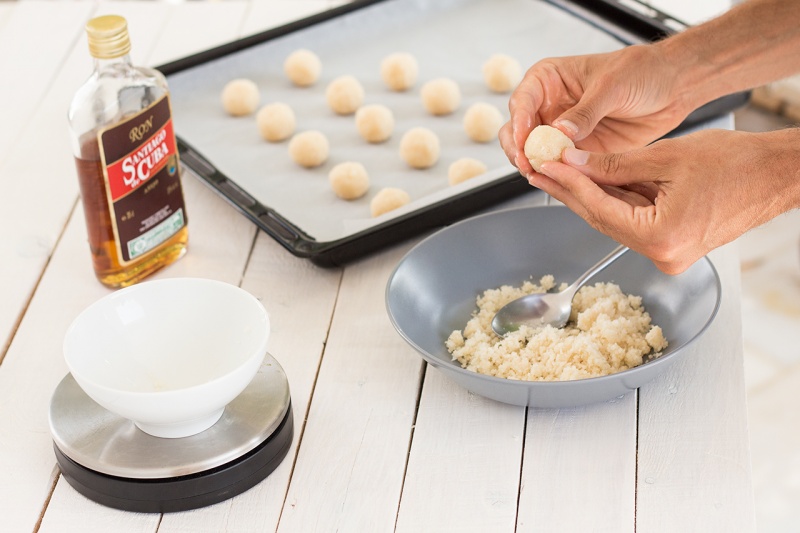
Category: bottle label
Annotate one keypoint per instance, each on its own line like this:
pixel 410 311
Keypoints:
pixel 140 165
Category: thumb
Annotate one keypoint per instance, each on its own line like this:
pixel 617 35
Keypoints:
pixel 612 168
pixel 580 120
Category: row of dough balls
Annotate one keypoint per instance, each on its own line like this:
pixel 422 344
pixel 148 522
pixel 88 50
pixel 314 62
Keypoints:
pixel 350 180
pixel 419 147
pixel 345 94
pixel 375 122
pixel 399 70
pixel 276 121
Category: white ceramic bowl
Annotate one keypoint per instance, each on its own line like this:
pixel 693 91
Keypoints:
pixel 168 354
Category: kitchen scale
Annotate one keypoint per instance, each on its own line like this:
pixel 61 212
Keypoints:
pixel 109 460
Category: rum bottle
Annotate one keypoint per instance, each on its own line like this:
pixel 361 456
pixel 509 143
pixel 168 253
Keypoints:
pixel 127 161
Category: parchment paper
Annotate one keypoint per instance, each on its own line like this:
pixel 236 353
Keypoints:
pixel 451 38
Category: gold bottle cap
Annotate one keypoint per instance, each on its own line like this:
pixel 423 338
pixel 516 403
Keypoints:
pixel 108 37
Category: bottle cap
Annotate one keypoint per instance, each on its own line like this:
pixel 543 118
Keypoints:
pixel 108 37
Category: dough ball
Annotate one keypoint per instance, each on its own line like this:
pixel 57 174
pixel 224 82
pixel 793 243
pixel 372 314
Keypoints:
pixel 388 199
pixel 302 67
pixel 375 122
pixel 482 121
pixel 275 121
pixel 420 148
pixel 349 180
pixel 441 96
pixel 399 71
pixel 464 169
pixel 545 143
pixel 309 149
pixel 502 73
pixel 344 94
pixel 240 97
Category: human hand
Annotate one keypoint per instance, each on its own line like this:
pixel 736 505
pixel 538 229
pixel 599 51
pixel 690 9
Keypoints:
pixel 604 102
pixel 677 199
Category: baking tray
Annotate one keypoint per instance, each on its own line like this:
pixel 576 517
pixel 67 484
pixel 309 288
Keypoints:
pixel 452 38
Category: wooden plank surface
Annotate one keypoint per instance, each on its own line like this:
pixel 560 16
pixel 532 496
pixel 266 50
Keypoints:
pixel 349 470
pixel 579 472
pixel 464 466
pixel 196 26
pixel 29 72
pixel 693 423
pixel 37 147
pixel 223 238
pixel 26 247
pixel 265 15
pixel 29 374
pixel 6 8
pixel 34 365
pixel 274 276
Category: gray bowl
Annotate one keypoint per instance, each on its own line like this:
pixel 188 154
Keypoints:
pixel 432 292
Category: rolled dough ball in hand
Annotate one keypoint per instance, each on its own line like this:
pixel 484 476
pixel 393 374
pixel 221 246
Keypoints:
pixel 240 97
pixel 502 73
pixel 387 200
pixel 545 143
pixel 482 121
pixel 464 169
pixel 309 149
pixel 275 121
pixel 344 94
pixel 399 71
pixel 420 147
pixel 302 67
pixel 349 180
pixel 440 96
pixel 374 122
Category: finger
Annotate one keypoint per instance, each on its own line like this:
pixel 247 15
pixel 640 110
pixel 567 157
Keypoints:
pixel 649 190
pixel 528 96
pixel 515 156
pixel 506 138
pixel 524 165
pixel 524 107
pixel 613 168
pixel 557 191
pixel 580 120
pixel 627 195
pixel 610 214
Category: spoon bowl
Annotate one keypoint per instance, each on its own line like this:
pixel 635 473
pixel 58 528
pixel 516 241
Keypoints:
pixel 553 308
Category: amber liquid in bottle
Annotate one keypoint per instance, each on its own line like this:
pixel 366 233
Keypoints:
pixel 127 161
pixel 103 246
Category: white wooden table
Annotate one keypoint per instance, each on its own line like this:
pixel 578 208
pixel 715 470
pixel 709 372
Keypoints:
pixel 382 443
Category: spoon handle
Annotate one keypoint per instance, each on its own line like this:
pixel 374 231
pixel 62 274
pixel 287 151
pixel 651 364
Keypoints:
pixel 603 263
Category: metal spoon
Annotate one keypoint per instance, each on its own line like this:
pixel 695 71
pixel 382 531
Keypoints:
pixel 547 308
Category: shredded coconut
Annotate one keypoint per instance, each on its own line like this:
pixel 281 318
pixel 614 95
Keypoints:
pixel 608 332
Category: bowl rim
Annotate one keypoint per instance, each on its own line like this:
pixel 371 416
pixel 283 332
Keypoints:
pixel 259 353
pixel 452 365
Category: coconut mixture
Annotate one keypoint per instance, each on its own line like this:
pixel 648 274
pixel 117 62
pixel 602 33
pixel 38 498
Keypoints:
pixel 608 332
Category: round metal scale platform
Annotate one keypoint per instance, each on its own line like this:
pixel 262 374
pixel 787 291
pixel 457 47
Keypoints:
pixel 109 460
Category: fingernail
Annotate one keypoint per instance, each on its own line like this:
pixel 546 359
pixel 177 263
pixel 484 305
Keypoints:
pixel 573 156
pixel 568 125
pixel 544 168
